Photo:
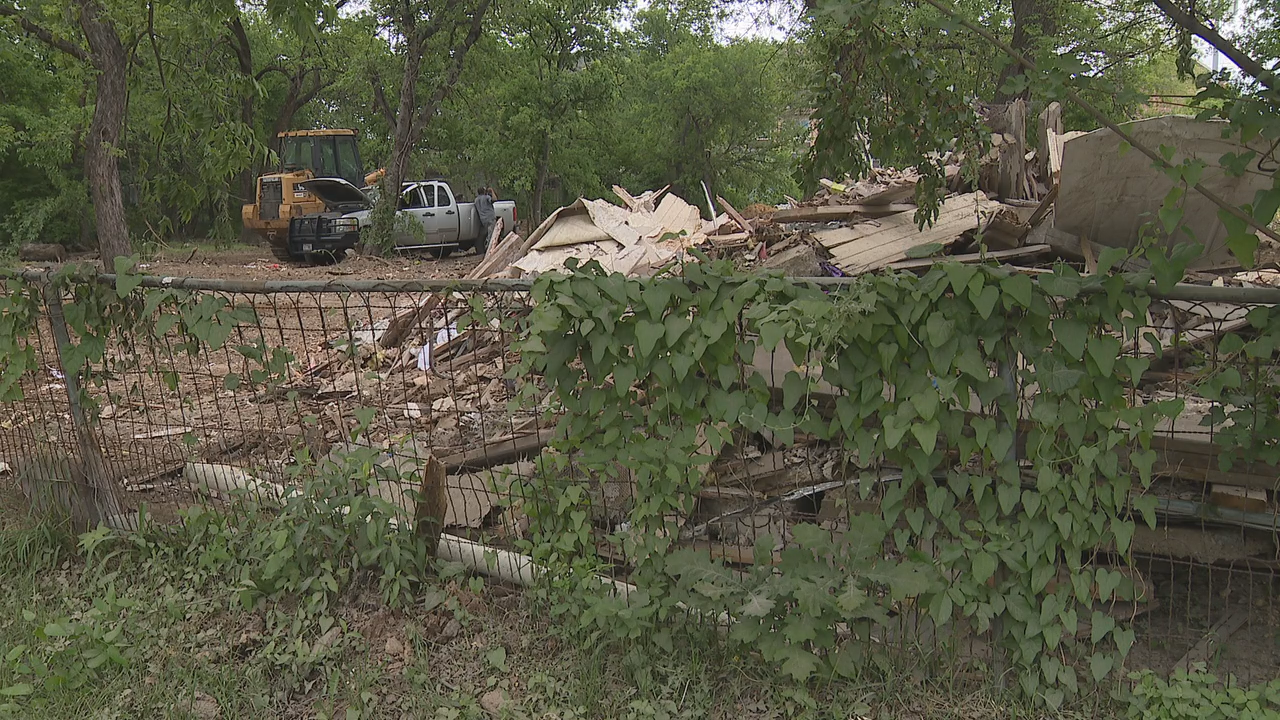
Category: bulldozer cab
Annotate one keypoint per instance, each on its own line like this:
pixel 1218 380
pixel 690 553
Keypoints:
pixel 326 153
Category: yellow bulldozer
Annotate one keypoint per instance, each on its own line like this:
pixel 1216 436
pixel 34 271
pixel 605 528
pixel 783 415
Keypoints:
pixel 304 155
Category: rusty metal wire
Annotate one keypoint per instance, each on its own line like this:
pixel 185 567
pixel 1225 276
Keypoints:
pixel 426 369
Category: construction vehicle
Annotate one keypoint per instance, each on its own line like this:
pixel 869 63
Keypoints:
pixel 304 155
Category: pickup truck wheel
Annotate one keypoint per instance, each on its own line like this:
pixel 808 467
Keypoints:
pixel 441 253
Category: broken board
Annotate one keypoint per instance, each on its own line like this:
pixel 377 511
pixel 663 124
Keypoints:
pixel 869 246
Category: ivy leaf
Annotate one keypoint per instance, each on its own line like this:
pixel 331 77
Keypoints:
pixel 624 375
pixel 1242 242
pixel 1123 531
pixel 984 566
pixel 959 275
pixel 1101 624
pixel 676 325
pixel 1100 665
pixel 794 388
pixel 923 250
pixel 939 329
pixel 771 334
pixel 1124 640
pixel 926 403
pixel 1170 217
pixel 647 335
pixel 893 432
pixel 1146 504
pixel 1018 288
pixel 657 296
pixel 1109 258
pixel 1064 282
pixel 1104 349
pixel 1144 460
pixel 1071 334
pixel 926 434
pixel 1266 203
pixel 985 301
pixel 1008 495
pixel 1108 582
pixel 1237 164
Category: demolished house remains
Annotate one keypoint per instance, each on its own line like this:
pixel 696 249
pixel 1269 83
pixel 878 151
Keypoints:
pixel 1065 197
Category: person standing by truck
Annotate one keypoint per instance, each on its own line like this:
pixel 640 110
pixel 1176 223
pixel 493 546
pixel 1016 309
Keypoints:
pixel 484 208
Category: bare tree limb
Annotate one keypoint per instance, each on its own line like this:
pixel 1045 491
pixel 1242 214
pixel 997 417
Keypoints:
pixel 1225 46
pixel 44 34
pixel 1105 121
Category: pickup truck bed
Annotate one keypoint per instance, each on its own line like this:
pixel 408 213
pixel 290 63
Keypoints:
pixel 429 216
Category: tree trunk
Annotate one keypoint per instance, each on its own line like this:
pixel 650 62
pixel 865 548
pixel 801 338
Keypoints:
pixel 102 168
pixel 402 144
pixel 540 184
pixel 412 117
pixel 244 62
pixel 1032 20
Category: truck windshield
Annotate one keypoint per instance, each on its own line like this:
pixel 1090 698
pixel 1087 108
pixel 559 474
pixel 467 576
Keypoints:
pixel 325 156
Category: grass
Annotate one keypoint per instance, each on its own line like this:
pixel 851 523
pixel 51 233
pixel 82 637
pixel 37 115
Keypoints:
pixel 460 650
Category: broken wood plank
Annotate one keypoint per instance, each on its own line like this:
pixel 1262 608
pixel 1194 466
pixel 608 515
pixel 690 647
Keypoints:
pixel 838 212
pixel 405 320
pixel 1218 634
pixel 627 198
pixel 1205 545
pixel 1063 243
pixel 473 496
pixel 924 263
pixel 1090 257
pixel 497 452
pixel 1246 499
pixel 1044 208
pixel 872 245
pixel 1004 232
pixel 897 191
pixel 737 216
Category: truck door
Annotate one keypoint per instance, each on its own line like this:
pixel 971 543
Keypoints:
pixel 447 210
pixel 413 207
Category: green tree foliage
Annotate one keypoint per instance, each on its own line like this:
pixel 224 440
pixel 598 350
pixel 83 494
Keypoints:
pixel 555 99
pixel 728 114
pixel 42 120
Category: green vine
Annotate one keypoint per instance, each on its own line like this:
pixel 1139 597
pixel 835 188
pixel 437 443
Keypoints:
pixel 653 377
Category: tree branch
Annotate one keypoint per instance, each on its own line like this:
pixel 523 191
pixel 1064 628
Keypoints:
pixel 380 100
pixel 1211 36
pixel 44 34
pixel 270 69
pixel 1105 121
pixel 455 68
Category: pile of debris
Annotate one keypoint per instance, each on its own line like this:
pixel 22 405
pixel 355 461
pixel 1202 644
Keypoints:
pixel 651 232
pixel 1078 194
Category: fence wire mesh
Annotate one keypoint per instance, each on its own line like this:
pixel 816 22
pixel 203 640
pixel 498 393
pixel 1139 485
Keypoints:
pixel 293 382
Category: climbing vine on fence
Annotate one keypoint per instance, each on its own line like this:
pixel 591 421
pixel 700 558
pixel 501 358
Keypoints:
pixel 924 378
pixel 106 321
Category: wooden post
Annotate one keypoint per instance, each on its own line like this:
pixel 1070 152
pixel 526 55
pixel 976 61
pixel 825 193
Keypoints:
pixel 1050 119
pixel 89 495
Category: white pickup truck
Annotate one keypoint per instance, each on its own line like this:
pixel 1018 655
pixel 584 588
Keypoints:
pixel 429 217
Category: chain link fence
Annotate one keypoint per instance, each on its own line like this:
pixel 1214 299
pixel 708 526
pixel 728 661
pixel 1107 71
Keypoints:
pixel 247 390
